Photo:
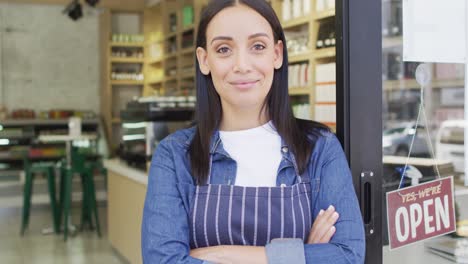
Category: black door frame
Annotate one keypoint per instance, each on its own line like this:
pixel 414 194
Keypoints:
pixel 359 108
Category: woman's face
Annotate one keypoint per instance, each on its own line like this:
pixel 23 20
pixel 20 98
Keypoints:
pixel 241 55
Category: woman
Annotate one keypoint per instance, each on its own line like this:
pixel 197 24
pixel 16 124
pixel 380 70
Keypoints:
pixel 249 183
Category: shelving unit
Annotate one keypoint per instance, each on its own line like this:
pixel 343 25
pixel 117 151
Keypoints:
pixel 19 138
pixel 123 64
pixel 309 23
pixel 171 24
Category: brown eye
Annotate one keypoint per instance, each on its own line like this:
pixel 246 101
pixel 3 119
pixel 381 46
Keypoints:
pixel 259 47
pixel 223 50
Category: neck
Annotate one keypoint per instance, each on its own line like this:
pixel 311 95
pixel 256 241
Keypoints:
pixel 241 119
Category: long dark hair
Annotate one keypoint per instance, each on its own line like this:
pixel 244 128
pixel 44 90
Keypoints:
pixel 209 111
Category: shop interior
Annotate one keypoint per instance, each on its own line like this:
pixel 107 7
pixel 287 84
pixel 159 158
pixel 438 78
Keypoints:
pixel 88 88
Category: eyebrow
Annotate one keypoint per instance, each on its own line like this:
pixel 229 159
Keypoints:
pixel 230 38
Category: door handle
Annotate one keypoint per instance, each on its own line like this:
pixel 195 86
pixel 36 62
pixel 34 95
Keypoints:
pixel 368 200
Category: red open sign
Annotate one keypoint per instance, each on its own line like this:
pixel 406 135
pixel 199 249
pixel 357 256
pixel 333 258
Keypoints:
pixel 420 212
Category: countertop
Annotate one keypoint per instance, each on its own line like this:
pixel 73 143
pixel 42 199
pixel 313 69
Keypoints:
pixel 120 167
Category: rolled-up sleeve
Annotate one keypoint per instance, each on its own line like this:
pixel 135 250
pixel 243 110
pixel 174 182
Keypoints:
pixel 285 251
pixel 165 229
pixel 336 188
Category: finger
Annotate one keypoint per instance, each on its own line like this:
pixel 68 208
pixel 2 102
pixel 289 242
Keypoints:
pixel 323 228
pixel 323 216
pixel 320 223
pixel 328 235
pixel 323 223
pixel 312 233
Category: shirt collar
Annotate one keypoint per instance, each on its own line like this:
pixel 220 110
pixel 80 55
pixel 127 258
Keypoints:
pixel 216 147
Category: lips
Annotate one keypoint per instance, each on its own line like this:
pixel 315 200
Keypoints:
pixel 244 84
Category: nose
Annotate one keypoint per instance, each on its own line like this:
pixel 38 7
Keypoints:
pixel 242 63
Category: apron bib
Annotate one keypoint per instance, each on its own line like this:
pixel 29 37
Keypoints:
pixel 238 215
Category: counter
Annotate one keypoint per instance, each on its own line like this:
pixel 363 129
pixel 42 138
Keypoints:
pixel 126 189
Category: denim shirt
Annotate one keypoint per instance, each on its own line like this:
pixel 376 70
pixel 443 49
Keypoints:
pixel 165 228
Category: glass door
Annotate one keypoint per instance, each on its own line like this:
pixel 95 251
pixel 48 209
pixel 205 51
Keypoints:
pixel 432 144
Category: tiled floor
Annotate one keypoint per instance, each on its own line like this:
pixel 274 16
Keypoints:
pixel 33 247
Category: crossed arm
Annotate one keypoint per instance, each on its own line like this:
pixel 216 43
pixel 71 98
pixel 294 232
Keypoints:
pixel 321 232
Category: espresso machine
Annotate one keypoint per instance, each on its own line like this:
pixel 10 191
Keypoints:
pixel 147 121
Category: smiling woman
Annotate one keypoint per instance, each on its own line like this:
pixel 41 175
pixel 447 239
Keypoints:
pixel 241 63
pixel 249 183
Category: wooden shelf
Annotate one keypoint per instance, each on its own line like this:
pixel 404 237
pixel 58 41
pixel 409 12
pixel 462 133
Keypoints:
pixel 324 53
pixel 188 51
pixel 126 82
pixel 305 56
pixel 154 60
pixel 171 35
pixel 127 44
pixel 300 90
pixel 170 78
pixel 171 56
pixel 324 14
pixel 187 28
pixel 187 75
pixel 412 84
pixel 126 60
pixel 294 22
pixel 156 41
pixel 156 81
pixel 116 120
pixel 390 42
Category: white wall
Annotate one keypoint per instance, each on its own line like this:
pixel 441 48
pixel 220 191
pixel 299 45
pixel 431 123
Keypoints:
pixel 49 61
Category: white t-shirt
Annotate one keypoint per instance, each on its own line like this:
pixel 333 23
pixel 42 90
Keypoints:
pixel 257 152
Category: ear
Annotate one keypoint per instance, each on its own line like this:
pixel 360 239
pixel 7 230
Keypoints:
pixel 278 61
pixel 202 60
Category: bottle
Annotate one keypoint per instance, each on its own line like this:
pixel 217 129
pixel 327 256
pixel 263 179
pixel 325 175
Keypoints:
pixel 395 20
pixel 330 4
pixel 306 7
pixel 321 36
pixel 319 5
pixel 286 10
pixel 296 8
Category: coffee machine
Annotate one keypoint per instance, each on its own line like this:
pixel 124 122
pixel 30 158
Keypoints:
pixel 147 121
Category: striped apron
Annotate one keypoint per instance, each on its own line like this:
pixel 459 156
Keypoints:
pixel 238 215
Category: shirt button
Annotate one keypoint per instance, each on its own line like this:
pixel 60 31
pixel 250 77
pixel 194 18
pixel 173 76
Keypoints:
pixel 284 149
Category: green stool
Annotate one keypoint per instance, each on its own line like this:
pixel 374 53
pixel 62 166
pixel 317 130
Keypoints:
pixel 30 169
pixel 89 204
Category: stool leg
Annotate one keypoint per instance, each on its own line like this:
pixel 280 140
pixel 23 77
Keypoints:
pixel 85 216
pixel 67 202
pixel 92 193
pixel 26 199
pixel 52 196
pixel 63 173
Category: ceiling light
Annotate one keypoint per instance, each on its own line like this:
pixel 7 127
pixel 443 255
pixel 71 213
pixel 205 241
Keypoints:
pixel 74 10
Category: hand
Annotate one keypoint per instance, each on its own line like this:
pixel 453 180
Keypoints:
pixel 323 227
pixel 211 254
